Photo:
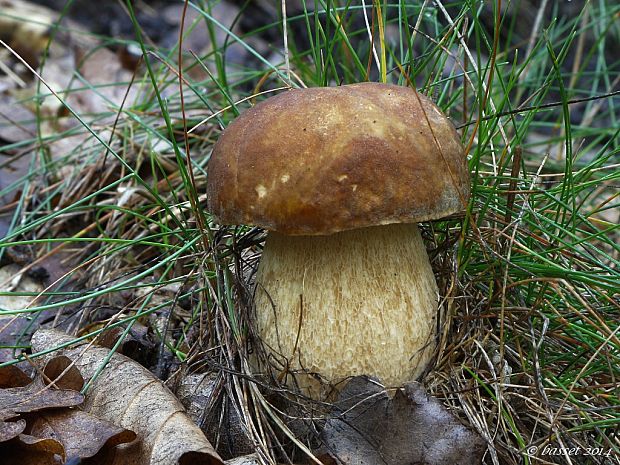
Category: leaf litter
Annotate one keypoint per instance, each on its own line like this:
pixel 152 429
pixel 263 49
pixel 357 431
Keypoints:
pixel 128 395
pixel 38 424
pixel 370 428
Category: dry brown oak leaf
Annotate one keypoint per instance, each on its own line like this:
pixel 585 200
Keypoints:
pixel 410 428
pixel 127 394
pixel 81 434
pixel 54 434
pixel 30 450
pixel 19 395
pixel 62 436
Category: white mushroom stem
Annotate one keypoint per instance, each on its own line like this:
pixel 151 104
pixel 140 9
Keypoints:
pixel 357 302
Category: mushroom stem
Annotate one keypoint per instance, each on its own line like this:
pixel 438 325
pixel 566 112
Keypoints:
pixel 357 302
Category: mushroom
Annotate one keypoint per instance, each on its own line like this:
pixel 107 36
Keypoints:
pixel 339 177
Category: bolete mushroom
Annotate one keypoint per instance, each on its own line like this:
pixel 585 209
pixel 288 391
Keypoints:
pixel 339 177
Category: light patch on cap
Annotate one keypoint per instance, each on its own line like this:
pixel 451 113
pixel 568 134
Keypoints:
pixel 342 177
pixel 437 116
pixel 261 191
pixel 284 178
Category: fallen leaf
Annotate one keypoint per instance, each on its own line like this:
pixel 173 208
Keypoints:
pixel 201 394
pixel 128 395
pixel 137 343
pixel 12 174
pixel 103 85
pixel 34 397
pixel 29 450
pixel 251 459
pixel 17 123
pixel 19 394
pixel 198 39
pixel 81 434
pixel 12 280
pixel 11 429
pixel 42 444
pixel 25 26
pixel 12 376
pixel 64 374
pixel 12 326
pixel 411 428
pixel 53 432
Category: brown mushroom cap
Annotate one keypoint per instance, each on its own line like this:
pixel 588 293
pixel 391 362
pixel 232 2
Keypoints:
pixel 321 160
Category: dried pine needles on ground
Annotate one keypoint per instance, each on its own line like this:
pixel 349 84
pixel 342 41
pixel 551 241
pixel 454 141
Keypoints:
pixel 103 195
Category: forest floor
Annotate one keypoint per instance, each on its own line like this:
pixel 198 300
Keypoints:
pixel 106 241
